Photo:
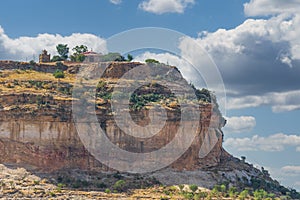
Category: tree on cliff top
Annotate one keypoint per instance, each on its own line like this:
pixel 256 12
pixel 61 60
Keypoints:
pixel 78 53
pixel 63 51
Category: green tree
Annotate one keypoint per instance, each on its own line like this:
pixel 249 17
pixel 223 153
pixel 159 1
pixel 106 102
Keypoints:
pixel 63 51
pixel 80 49
pixel 193 188
pixel 129 57
pixel 56 59
pixel 120 59
pixel 78 53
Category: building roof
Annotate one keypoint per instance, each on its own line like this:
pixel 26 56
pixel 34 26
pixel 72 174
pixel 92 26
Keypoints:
pixel 90 53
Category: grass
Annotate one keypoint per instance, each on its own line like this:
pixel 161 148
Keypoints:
pixel 26 75
pixel 20 81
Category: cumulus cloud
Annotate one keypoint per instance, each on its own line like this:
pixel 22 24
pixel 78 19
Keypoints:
pixel 273 143
pixel 239 124
pixel 270 7
pixel 291 169
pixel 257 58
pixel 23 48
pixel 165 6
pixel 280 102
pixel 116 2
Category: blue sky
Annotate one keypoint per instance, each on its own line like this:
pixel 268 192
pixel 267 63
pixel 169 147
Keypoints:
pixel 254 43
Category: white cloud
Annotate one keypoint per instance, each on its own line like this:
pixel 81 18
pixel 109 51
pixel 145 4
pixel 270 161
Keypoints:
pixel 239 124
pixel 252 33
pixel 298 149
pixel 291 169
pixel 258 60
pixel 165 6
pixel 23 48
pixel 280 102
pixel 273 143
pixel 271 7
pixel 116 2
pixel 161 57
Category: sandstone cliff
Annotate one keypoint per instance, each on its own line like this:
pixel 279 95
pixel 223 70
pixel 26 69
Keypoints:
pixel 37 129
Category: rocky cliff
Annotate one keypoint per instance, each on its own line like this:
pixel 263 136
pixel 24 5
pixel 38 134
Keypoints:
pixel 37 129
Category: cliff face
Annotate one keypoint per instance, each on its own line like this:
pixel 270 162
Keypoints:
pixel 37 129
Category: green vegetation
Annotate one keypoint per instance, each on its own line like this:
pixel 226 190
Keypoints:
pixel 243 195
pixel 59 64
pixel 181 187
pixel 260 194
pixel 101 185
pixel 32 62
pixel 140 101
pixel 120 186
pixel 193 188
pixel 112 57
pixel 56 59
pixel 78 56
pixel 80 184
pixel 59 74
pixel 63 51
pixel 129 57
pixel 151 61
pixel 232 192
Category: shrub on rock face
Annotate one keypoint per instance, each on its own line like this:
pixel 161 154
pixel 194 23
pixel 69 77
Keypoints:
pixel 193 187
pixel 119 185
pixel 59 74
pixel 107 191
pixel 32 62
pixel 244 194
pixel 181 187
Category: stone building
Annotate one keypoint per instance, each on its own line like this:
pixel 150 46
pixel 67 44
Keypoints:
pixel 91 56
pixel 44 57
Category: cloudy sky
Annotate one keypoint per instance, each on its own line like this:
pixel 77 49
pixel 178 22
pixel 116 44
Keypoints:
pixel 254 43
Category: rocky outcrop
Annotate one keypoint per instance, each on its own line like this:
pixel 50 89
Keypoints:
pixel 37 129
pixel 47 138
pixel 42 67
